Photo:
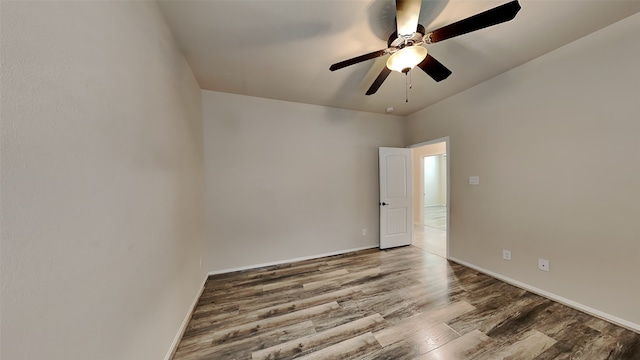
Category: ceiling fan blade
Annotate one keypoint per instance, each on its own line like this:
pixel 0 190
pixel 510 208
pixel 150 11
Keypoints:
pixel 379 80
pixel 482 20
pixel 407 13
pixel 434 68
pixel 357 59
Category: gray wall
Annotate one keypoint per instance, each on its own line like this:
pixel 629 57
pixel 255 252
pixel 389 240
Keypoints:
pixel 288 180
pixel 102 209
pixel 556 143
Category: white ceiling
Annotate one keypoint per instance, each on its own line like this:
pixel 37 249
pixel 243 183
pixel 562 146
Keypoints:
pixel 282 49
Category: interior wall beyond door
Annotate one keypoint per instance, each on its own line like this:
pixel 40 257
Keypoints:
pixel 435 180
pixel 418 177
pixel 431 183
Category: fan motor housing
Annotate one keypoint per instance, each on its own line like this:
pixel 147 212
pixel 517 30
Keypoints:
pixel 399 42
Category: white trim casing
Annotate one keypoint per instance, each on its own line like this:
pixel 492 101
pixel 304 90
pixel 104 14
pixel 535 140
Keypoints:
pixel 256 266
pixel 185 322
pixel 570 303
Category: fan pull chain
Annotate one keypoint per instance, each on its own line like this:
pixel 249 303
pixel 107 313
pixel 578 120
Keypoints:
pixel 410 85
pixel 406 88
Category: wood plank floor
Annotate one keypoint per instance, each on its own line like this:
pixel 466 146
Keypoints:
pixel 402 303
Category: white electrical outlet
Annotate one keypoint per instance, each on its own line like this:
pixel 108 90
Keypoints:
pixel 474 180
pixel 364 231
pixel 543 264
pixel 506 254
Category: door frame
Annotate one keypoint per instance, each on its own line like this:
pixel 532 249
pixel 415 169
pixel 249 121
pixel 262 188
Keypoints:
pixel 448 173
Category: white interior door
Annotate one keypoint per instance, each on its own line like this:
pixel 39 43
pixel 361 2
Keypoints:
pixel 396 197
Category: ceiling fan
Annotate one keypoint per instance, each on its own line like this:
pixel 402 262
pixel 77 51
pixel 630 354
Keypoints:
pixel 406 44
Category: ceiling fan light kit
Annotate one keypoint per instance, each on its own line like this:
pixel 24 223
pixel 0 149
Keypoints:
pixel 406 58
pixel 407 48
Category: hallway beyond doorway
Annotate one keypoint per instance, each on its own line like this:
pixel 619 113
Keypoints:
pixel 432 236
pixel 430 239
pixel 431 196
pixel 435 217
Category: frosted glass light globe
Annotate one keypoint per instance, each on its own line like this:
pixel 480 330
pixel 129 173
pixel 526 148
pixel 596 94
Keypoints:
pixel 406 59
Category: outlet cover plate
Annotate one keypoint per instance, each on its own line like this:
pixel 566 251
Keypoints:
pixel 506 254
pixel 543 264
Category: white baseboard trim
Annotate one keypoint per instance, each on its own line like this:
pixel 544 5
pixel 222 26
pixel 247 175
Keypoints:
pixel 256 266
pixel 570 303
pixel 185 322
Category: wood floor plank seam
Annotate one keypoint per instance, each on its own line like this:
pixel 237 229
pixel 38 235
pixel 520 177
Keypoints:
pixel 419 322
pixel 244 347
pixel 260 325
pixel 355 347
pixel 320 340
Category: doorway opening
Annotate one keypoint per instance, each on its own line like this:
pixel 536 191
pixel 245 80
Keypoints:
pixel 431 196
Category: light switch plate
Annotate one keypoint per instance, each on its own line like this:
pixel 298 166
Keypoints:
pixel 474 180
